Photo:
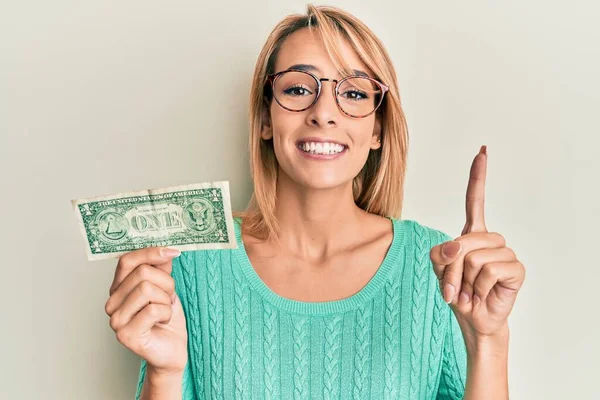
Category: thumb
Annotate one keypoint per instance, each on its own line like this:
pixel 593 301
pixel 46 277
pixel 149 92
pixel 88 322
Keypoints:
pixel 450 250
pixel 442 255
pixel 165 267
pixel 445 253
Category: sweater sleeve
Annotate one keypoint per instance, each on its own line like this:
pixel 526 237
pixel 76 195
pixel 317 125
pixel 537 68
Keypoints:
pixel 454 363
pixel 453 375
pixel 187 382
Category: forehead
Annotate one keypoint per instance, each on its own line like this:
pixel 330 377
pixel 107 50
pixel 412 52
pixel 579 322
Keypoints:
pixel 305 47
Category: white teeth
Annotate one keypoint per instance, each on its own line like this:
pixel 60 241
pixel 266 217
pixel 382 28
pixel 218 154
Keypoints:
pixel 322 147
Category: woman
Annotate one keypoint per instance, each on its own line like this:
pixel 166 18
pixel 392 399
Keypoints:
pixel 329 294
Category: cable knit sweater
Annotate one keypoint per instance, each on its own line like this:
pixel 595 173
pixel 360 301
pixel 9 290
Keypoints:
pixel 394 339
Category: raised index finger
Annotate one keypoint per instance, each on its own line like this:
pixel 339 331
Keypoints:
pixel 157 256
pixel 476 194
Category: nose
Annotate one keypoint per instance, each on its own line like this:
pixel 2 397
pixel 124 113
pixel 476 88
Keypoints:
pixel 325 111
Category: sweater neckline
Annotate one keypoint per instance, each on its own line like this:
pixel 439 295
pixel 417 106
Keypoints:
pixel 322 307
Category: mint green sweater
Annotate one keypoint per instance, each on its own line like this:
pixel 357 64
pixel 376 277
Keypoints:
pixel 394 339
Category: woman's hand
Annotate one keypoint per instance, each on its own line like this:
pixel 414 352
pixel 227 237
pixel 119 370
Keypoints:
pixel 146 313
pixel 481 281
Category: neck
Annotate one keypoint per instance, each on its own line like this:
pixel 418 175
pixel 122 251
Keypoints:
pixel 315 223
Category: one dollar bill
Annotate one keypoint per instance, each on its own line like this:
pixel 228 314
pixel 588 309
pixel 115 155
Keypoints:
pixel 188 217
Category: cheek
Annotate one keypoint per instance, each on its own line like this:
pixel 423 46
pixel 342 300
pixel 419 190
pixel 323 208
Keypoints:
pixel 286 127
pixel 362 138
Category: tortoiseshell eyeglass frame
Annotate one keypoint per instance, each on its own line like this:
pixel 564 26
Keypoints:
pixel 272 78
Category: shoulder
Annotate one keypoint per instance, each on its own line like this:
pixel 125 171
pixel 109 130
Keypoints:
pixel 195 270
pixel 418 231
pixel 190 261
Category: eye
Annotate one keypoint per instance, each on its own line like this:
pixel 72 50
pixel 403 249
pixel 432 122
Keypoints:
pixel 355 95
pixel 297 91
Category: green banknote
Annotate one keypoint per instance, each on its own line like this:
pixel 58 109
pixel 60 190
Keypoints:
pixel 189 217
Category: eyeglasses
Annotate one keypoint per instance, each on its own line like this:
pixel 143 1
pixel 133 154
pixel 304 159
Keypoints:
pixel 356 96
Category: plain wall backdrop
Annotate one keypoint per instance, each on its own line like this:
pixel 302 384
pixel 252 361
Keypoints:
pixel 102 97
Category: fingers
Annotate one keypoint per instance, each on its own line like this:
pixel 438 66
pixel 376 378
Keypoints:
pixel 146 294
pixel 509 276
pixel 450 267
pixel 160 257
pixel 149 316
pixel 144 272
pixel 475 262
pixel 475 198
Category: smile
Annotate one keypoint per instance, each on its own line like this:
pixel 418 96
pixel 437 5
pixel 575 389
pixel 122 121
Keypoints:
pixel 321 148
pixel 323 151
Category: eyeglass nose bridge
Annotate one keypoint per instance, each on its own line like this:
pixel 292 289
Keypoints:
pixel 320 89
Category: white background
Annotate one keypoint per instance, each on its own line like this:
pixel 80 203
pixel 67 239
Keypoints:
pixel 102 97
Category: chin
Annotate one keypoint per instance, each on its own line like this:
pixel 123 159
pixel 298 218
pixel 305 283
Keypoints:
pixel 323 182
pixel 315 178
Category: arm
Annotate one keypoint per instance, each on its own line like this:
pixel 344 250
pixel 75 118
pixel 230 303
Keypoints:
pixel 161 386
pixel 481 279
pixel 153 385
pixel 487 367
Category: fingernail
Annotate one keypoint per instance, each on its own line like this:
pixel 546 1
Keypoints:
pixel 173 298
pixel 450 249
pixel 464 298
pixel 483 150
pixel 168 252
pixel 449 293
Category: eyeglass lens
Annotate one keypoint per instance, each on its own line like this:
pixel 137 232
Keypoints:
pixel 296 91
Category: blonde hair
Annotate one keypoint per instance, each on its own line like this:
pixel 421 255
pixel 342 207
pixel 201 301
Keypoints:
pixel 379 187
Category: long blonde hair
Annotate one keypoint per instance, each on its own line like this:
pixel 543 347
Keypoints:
pixel 379 187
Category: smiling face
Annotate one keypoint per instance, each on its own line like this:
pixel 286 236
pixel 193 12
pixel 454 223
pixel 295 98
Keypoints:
pixel 300 138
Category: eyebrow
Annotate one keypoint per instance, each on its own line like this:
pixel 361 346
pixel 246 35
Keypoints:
pixel 313 68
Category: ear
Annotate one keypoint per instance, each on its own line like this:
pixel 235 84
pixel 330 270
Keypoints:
pixel 267 130
pixel 376 138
